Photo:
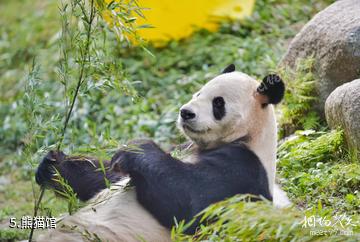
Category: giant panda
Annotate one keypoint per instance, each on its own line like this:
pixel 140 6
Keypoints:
pixel 231 127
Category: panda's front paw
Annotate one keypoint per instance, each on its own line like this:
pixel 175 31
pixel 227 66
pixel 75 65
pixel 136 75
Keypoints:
pixel 132 156
pixel 46 169
pixel 124 160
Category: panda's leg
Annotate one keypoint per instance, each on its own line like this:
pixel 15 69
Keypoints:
pixel 83 174
pixel 280 199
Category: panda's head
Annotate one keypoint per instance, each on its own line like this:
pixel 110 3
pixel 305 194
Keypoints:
pixel 229 107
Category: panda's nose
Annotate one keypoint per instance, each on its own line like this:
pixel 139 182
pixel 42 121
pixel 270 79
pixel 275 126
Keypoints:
pixel 186 114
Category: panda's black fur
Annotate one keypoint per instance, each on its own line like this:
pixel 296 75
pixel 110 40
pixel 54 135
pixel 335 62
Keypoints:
pixel 273 87
pixel 166 187
pixel 229 68
pixel 170 188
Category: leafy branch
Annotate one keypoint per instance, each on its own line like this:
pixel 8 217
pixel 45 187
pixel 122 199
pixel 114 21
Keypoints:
pixel 88 21
pixel 76 43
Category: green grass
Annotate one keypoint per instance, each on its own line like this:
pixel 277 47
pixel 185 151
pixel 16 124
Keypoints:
pixel 131 94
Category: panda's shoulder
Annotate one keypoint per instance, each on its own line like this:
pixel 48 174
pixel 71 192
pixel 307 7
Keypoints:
pixel 233 153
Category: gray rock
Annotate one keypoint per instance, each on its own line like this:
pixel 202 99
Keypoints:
pixel 342 109
pixel 4 181
pixel 333 38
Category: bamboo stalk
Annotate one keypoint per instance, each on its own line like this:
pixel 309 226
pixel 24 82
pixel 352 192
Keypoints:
pixel 80 81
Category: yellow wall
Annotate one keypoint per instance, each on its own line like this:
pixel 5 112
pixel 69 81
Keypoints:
pixel 173 19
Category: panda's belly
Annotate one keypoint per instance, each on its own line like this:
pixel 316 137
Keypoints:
pixel 111 216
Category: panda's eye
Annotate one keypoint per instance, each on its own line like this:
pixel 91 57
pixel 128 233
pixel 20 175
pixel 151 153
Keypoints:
pixel 218 104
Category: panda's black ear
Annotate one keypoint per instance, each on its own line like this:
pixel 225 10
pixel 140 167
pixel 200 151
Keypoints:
pixel 230 68
pixel 272 89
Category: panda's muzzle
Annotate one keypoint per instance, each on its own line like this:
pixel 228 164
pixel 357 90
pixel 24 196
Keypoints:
pixel 187 119
pixel 189 128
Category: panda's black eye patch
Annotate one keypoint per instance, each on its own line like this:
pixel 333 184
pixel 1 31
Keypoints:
pixel 218 104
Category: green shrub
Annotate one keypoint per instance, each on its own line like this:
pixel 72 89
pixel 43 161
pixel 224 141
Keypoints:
pixel 238 220
pixel 316 167
pixel 298 109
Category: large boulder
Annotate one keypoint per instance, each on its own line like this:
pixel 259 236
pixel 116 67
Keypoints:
pixel 333 38
pixel 342 109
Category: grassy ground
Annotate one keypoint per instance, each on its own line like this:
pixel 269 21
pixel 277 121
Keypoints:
pixel 315 168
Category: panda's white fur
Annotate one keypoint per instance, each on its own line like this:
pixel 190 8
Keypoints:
pixel 117 216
